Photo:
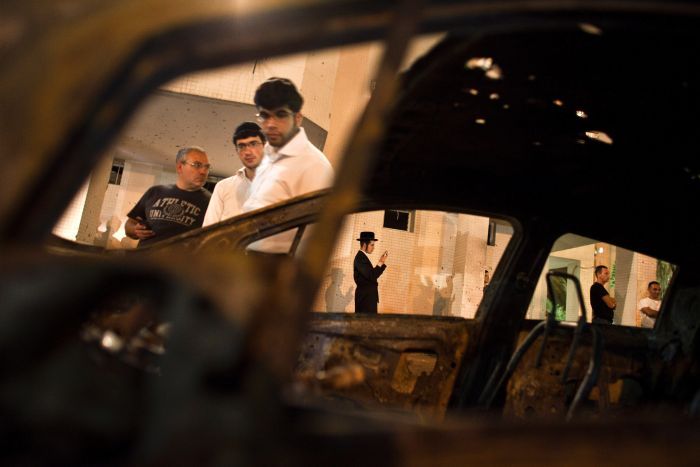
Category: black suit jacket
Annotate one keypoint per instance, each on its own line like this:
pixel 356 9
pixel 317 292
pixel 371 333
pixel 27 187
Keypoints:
pixel 366 275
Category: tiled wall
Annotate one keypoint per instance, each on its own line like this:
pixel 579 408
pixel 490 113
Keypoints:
pixel 646 272
pixel 238 83
pixel 471 247
pixel 313 74
pixel 438 269
pixel 495 252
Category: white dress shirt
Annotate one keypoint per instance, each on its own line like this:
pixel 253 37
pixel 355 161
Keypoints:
pixel 648 321
pixel 292 170
pixel 228 198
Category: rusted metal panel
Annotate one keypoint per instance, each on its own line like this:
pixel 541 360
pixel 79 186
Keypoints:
pixel 539 393
pixel 398 361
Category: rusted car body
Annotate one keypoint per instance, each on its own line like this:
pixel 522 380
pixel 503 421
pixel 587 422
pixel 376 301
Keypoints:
pixel 249 376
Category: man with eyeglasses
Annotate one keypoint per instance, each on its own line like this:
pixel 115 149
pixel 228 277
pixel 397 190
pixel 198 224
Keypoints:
pixel 168 210
pixel 292 165
pixel 230 193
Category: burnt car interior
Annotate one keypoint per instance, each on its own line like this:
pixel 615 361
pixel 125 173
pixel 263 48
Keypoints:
pixel 570 128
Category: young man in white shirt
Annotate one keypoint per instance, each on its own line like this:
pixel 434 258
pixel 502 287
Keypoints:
pixel 649 306
pixel 292 165
pixel 230 193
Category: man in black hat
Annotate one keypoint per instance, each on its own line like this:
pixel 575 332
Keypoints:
pixel 366 275
pixel 230 193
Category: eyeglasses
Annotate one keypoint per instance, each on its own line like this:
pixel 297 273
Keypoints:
pixel 252 145
pixel 264 115
pixel 198 165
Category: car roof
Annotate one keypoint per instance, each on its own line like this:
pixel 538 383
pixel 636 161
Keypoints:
pixel 589 127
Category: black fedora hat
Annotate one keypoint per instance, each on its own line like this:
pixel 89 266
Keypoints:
pixel 367 237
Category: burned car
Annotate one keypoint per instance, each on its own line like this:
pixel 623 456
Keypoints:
pixel 566 123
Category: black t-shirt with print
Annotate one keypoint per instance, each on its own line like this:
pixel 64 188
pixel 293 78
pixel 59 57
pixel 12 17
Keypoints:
pixel 170 211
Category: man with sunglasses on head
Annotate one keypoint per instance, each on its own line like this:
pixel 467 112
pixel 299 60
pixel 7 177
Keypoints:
pixel 230 193
pixel 168 210
pixel 292 165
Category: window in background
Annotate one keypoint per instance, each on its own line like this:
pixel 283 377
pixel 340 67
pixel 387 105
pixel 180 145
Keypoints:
pixel 115 176
pixel 399 220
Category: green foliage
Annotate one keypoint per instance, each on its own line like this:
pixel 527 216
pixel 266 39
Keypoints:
pixel 613 268
pixel 664 273
pixel 560 314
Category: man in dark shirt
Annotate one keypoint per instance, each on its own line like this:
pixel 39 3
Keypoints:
pixel 366 275
pixel 602 303
pixel 168 210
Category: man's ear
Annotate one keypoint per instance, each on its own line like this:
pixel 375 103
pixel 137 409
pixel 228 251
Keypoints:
pixel 298 118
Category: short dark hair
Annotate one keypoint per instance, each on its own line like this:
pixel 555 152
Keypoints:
pixel 247 130
pixel 278 92
pixel 599 268
pixel 653 283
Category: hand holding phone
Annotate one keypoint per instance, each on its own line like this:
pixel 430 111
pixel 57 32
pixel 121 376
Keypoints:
pixel 138 229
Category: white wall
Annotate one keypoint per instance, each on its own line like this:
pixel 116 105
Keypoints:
pixel 67 226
